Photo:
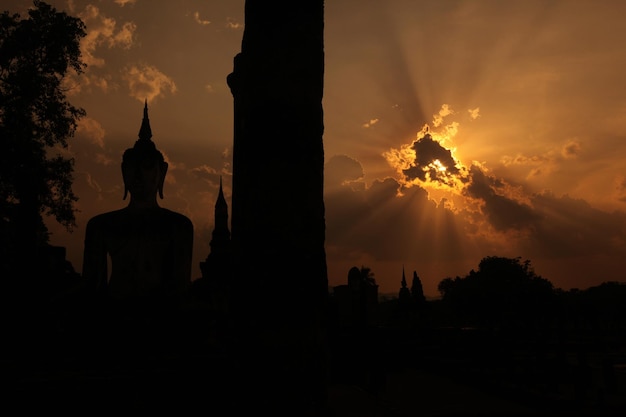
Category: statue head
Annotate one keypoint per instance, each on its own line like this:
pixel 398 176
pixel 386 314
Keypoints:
pixel 143 166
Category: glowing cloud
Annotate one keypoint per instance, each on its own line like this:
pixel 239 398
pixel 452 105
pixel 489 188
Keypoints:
pixel 147 82
pixel 196 17
pixel 124 37
pixel 233 24
pixel 427 162
pixel 205 173
pixel 545 163
pixel 443 112
pixel 433 163
pixel 491 205
pixel 521 159
pixel 123 3
pixel 103 159
pixel 474 113
pixel 101 30
pixel 371 123
pixel 92 182
pixel 92 129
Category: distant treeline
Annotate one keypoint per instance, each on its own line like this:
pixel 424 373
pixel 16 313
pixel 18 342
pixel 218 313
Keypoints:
pixel 507 293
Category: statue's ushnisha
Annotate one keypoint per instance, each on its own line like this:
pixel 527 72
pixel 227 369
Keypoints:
pixel 150 247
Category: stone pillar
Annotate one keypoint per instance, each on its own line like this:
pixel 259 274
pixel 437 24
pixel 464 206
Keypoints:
pixel 279 289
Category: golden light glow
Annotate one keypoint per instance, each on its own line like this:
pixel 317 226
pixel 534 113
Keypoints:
pixel 436 164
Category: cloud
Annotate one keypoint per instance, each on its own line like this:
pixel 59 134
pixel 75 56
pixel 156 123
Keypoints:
pixel 233 24
pixel 429 160
pixel 75 84
pixel 570 227
pixel 102 30
pixel 443 112
pixel 124 37
pixel 388 223
pixel 545 163
pixel 196 17
pixel 179 166
pixel 342 170
pixel 206 173
pixel 103 159
pixel 93 184
pixel 103 83
pixel 209 174
pixel 474 113
pixel 147 82
pixel 571 149
pixel 494 208
pixel 501 210
pixel 432 163
pixel 71 6
pixel 92 129
pixel 371 123
pixel 209 88
pixel 521 159
pixel 123 3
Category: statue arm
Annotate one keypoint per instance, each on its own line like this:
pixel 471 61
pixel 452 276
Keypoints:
pixel 95 257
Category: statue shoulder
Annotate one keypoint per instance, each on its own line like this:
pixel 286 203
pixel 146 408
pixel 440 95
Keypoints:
pixel 178 219
pixel 104 219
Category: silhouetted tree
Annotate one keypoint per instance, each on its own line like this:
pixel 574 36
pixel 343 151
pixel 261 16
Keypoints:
pixel 503 292
pixel 36 121
pixel 363 294
pixel 602 307
pixel 367 276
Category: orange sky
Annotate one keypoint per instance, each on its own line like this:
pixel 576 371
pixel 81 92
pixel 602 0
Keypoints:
pixel 526 98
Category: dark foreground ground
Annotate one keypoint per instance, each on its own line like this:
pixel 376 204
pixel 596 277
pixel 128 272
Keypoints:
pixel 54 364
pixel 460 375
pixel 409 393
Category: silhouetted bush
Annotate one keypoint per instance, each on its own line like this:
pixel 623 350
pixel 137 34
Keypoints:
pixel 504 292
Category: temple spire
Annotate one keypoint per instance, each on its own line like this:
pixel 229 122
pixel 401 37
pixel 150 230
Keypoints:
pixel 221 201
pixel 145 133
pixel 403 278
pixel 220 242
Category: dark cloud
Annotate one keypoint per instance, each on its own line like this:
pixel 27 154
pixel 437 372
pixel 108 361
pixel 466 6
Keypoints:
pixel 555 227
pixel 341 169
pixel 571 149
pixel 570 227
pixel 502 212
pixel 427 152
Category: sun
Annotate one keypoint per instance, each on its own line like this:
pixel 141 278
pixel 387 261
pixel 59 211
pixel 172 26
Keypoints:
pixel 437 165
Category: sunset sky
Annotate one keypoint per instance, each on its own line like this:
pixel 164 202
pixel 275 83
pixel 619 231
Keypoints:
pixel 454 130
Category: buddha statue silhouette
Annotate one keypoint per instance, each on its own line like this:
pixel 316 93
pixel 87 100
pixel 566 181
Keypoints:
pixel 150 247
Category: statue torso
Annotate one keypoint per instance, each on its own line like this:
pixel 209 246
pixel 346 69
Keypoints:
pixel 145 250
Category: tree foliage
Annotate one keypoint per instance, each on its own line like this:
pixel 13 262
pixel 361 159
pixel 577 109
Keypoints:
pixel 504 291
pixel 36 121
